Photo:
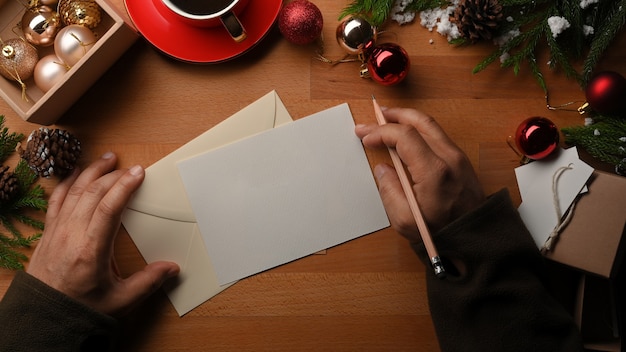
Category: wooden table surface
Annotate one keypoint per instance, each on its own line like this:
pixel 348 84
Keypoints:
pixel 368 294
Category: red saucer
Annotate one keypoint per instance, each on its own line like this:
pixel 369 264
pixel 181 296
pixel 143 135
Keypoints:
pixel 201 45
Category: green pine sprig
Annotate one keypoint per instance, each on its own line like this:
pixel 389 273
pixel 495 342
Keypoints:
pixel 8 141
pixel 534 30
pixel 31 197
pixel 376 11
pixel 610 19
pixel 606 18
pixel 604 139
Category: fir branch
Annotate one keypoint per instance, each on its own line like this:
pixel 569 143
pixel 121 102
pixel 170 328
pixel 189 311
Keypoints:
pixel 604 139
pixel 534 69
pixel 421 5
pixel 376 11
pixel 32 200
pixel 7 223
pixel 513 43
pixel 25 175
pixel 528 42
pixel 574 36
pixel 8 141
pixel 560 58
pixel 32 222
pixel 489 60
pixel 608 27
pixel 9 257
pixel 29 197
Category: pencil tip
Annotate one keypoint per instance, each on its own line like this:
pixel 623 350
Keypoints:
pixel 373 97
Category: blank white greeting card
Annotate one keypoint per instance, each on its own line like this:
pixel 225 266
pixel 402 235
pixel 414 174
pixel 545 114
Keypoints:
pixel 283 194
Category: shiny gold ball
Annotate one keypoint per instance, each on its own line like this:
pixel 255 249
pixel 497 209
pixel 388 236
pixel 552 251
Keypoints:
pixel 82 12
pixel 40 25
pixel 17 59
pixel 355 35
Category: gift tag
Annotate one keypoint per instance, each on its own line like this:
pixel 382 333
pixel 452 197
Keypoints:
pixel 550 187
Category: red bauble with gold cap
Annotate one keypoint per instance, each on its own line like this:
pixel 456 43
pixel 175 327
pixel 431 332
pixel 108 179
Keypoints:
pixel 387 64
pixel 537 137
pixel 606 93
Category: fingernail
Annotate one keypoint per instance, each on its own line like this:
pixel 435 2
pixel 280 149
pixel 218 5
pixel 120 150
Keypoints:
pixel 379 171
pixel 136 170
pixel 383 108
pixel 108 155
pixel 173 271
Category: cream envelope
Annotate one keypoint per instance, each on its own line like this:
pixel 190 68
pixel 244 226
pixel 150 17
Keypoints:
pixel 160 220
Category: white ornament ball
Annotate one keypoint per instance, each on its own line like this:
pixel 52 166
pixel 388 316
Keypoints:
pixel 49 71
pixel 73 42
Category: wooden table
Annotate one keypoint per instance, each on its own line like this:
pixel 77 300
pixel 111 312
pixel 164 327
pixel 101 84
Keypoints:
pixel 368 294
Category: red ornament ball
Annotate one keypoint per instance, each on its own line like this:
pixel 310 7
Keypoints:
pixel 388 64
pixel 606 93
pixel 537 137
pixel 300 22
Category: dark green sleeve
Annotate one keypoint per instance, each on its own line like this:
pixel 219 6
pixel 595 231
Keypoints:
pixel 36 317
pixel 497 300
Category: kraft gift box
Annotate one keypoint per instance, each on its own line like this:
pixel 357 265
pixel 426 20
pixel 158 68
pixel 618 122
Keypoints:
pixel 592 245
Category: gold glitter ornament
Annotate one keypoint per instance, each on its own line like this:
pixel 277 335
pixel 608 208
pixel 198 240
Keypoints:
pixel 18 59
pixel 82 12
pixel 40 25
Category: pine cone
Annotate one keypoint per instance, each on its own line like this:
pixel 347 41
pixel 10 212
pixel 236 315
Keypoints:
pixel 478 19
pixel 51 152
pixel 9 185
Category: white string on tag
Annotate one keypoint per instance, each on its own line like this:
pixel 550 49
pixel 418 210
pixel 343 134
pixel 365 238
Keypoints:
pixel 561 222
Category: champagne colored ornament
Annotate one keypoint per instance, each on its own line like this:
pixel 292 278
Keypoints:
pixel 72 43
pixel 606 93
pixel 82 12
pixel 40 25
pixel 17 61
pixel 387 64
pixel 356 35
pixel 300 22
pixel 536 137
pixel 49 71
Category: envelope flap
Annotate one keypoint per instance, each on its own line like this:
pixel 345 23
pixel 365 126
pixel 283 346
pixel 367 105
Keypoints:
pixel 162 193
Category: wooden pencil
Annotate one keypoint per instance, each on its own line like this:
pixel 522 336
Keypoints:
pixel 431 250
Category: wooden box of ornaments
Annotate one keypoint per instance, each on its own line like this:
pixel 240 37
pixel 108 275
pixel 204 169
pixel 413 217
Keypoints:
pixel 54 50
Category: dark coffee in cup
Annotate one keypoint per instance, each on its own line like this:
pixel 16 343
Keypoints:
pixel 202 7
pixel 208 13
